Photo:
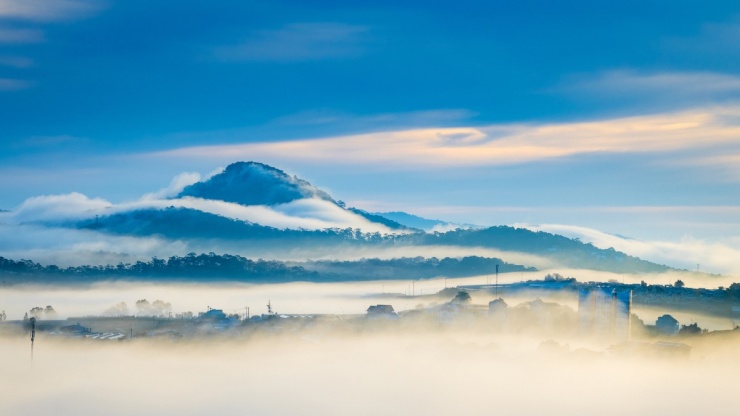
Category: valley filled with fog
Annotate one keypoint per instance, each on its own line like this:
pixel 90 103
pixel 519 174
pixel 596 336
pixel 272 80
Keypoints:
pixel 252 291
pixel 380 208
pixel 346 363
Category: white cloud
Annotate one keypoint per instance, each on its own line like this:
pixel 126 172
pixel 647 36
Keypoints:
pixel 307 213
pixel 298 42
pixel 8 35
pixel 10 84
pixel 16 61
pixel 310 214
pixel 712 130
pixel 177 184
pixel 48 10
pixel 32 230
pixel 53 208
pixel 69 247
pixel 373 121
pixel 714 257
pixel 715 40
pixel 664 84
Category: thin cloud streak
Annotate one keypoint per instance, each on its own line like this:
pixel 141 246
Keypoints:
pixel 21 35
pixel 298 42
pixel 16 61
pixel 48 10
pixel 709 129
pixel 10 84
pixel 665 84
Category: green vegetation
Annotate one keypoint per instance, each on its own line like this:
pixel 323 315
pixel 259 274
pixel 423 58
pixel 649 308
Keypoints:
pixel 230 267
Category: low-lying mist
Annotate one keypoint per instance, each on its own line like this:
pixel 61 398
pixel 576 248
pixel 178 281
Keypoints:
pixel 338 370
pixel 289 298
pixel 434 358
pixel 303 297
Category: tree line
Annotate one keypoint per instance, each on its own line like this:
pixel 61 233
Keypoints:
pixel 226 266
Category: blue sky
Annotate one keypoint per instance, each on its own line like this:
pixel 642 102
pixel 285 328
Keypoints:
pixel 620 116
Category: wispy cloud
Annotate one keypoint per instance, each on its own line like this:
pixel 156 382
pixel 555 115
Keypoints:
pixel 298 42
pixel 688 252
pixel 10 84
pixel 664 86
pixel 16 61
pixel 307 213
pixel 310 214
pixel 714 39
pixel 713 130
pixel 374 121
pixel 55 208
pixel 177 184
pixel 70 247
pixel 12 35
pixel 46 141
pixel 48 10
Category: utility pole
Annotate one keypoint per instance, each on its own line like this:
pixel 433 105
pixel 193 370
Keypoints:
pixel 497 281
pixel 33 334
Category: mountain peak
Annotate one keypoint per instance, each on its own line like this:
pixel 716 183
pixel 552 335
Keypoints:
pixel 253 183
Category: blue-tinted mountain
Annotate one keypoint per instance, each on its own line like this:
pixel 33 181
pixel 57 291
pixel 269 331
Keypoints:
pixel 252 183
pixel 191 224
pixel 380 219
pixel 563 250
pixel 415 221
pixel 183 223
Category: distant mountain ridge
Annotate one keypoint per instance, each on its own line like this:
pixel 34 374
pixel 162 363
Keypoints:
pixel 230 267
pixel 256 206
pixel 421 223
pixel 178 223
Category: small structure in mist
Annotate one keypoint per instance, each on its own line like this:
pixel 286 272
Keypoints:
pixel 667 324
pixel 381 311
pixel 217 319
pixel 214 315
pixel 497 307
pixel 462 298
pixel 605 312
pixel 457 306
pixel 75 330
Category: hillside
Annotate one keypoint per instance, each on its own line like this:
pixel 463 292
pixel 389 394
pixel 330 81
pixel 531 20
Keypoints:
pixel 251 204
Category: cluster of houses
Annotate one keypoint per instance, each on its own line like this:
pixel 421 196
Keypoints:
pixel 80 331
pixel 603 312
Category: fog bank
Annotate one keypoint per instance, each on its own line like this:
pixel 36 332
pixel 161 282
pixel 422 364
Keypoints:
pixel 370 374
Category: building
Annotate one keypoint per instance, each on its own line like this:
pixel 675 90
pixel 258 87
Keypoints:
pixel 605 312
pixel 497 306
pixel 381 311
pixel 107 336
pixel 75 330
pixel 213 314
pixel 667 324
pixel 218 320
